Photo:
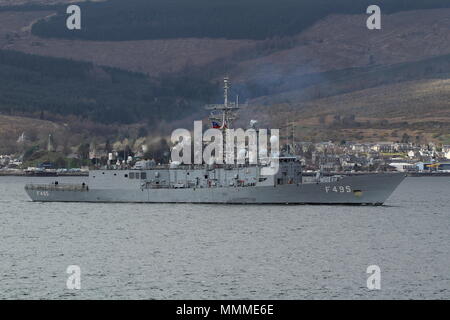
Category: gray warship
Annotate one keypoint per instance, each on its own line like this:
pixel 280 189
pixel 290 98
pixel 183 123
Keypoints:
pixel 245 183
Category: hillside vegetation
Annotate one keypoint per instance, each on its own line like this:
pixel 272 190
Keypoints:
pixel 37 85
pixel 119 20
pixel 305 87
pixel 331 76
pixel 419 108
pixel 410 100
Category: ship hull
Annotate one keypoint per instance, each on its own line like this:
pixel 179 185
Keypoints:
pixel 372 189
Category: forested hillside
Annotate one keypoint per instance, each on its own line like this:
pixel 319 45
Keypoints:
pixel 32 85
pixel 298 88
pixel 288 76
pixel 232 19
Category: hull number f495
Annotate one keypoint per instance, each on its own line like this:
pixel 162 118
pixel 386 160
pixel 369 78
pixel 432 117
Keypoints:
pixel 338 189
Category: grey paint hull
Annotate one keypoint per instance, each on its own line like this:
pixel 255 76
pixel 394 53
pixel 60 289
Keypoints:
pixel 373 189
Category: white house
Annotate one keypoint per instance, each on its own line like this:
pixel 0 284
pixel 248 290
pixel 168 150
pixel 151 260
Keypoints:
pixel 446 151
pixel 403 166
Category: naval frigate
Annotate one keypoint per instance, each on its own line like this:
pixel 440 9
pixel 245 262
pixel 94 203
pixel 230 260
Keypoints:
pixel 246 183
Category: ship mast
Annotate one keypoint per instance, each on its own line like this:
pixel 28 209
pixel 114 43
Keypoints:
pixel 225 89
pixel 224 114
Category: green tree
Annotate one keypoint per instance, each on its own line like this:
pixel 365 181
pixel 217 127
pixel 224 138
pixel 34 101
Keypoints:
pixel 83 151
pixel 405 138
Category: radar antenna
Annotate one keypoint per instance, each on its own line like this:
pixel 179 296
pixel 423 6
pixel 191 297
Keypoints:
pixel 223 115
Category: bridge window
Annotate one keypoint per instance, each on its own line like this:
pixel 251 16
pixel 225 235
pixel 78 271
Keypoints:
pixel 131 175
pixel 143 175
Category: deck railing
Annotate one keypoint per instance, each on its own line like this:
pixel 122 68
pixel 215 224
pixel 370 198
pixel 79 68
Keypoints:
pixel 57 187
